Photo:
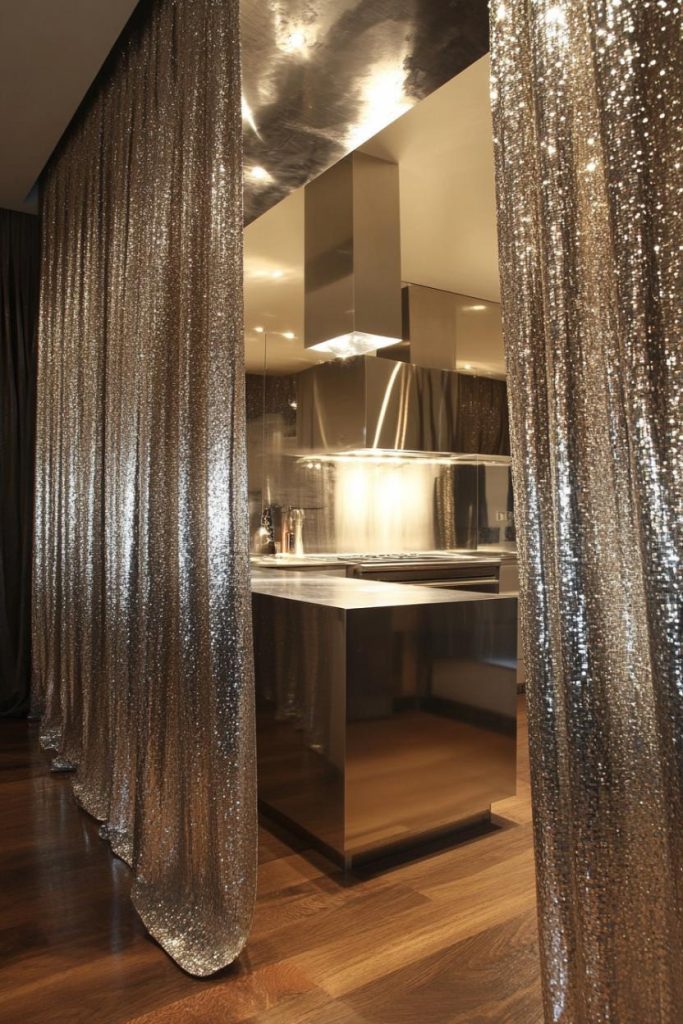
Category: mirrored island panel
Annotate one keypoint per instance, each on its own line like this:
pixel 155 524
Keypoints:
pixel 381 724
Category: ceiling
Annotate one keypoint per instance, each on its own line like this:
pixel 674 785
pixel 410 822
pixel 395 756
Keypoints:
pixel 318 78
pixel 274 289
pixel 317 81
pixel 50 51
pixel 444 149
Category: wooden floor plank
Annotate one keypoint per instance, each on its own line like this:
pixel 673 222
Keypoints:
pixel 501 961
pixel 449 937
pixel 252 994
pixel 386 943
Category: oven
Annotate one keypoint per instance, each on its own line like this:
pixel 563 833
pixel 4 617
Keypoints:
pixel 458 572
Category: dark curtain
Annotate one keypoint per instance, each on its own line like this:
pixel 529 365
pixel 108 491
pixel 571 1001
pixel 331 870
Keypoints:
pixel 483 425
pixel 19 276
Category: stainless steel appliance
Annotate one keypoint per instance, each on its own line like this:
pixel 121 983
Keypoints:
pixel 369 404
pixel 352 247
pixel 450 572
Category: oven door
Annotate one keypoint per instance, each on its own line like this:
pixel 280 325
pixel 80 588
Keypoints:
pixel 482 579
pixel 481 584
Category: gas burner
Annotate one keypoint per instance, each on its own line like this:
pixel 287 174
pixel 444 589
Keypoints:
pixel 402 556
pixel 439 569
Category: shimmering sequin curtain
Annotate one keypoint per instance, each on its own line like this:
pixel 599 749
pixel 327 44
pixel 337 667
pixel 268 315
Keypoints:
pixel 587 109
pixel 141 624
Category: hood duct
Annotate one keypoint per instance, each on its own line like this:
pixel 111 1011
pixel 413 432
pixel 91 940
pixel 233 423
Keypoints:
pixel 365 405
pixel 353 257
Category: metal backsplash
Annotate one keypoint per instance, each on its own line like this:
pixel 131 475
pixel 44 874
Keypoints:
pixel 367 504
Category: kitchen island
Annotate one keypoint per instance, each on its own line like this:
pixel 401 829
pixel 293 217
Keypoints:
pixel 385 712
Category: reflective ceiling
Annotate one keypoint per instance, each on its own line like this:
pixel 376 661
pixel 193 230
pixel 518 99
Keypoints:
pixel 444 149
pixel 319 79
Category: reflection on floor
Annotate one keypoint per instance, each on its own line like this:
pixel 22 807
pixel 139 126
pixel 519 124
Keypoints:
pixel 447 939
pixel 435 768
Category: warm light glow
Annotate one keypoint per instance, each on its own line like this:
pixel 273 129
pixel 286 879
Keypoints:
pixel 296 41
pixel 248 117
pixel 388 499
pixel 260 174
pixel 390 456
pixel 295 38
pixel 277 274
pixel 385 403
pixel 357 343
pixel 382 101
pixel 288 334
pixel 474 309
pixel 556 25
pixel 555 15
pixel 259 330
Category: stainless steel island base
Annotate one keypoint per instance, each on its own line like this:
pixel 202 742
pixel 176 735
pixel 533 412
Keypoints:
pixel 386 713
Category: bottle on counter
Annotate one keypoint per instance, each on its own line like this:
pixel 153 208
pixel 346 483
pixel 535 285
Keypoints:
pixel 295 531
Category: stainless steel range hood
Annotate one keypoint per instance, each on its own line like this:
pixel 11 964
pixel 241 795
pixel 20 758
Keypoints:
pixel 353 257
pixel 365 404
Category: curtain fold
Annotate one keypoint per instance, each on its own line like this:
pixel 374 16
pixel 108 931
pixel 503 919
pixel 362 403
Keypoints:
pixel 586 98
pixel 19 277
pixel 141 616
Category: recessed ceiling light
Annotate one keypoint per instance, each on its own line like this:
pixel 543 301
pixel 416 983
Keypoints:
pixel 295 42
pixel 474 309
pixel 288 334
pixel 259 330
pixel 260 174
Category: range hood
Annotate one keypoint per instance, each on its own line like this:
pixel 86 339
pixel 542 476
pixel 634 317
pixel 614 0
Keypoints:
pixel 365 404
pixel 353 257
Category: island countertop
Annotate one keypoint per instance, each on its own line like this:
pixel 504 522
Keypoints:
pixel 351 594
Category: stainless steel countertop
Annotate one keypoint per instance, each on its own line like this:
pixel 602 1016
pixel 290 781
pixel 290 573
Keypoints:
pixel 483 556
pixel 349 594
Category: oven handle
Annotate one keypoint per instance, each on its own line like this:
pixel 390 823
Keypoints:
pixel 486 581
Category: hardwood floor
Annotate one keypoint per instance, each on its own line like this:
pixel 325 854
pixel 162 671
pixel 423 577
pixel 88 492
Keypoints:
pixel 446 939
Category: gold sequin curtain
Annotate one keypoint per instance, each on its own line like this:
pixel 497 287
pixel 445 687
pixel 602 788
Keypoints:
pixel 141 617
pixel 586 99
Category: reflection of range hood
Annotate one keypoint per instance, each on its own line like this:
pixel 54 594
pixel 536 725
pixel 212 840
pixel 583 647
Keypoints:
pixel 353 257
pixel 370 403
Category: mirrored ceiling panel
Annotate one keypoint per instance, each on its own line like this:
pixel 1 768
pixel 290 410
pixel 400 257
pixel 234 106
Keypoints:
pixel 319 79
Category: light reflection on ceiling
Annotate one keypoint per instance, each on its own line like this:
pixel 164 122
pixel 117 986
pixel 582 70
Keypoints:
pixel 319 79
